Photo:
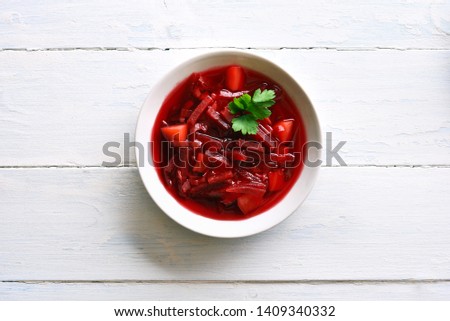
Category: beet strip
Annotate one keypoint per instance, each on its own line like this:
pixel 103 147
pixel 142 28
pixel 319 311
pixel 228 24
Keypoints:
pixel 214 158
pixel 248 188
pixel 249 176
pixel 211 141
pixel 199 110
pixel 217 118
pixel 264 136
pixel 186 110
pixel 219 177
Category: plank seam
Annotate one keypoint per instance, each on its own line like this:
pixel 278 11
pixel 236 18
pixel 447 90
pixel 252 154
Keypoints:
pixel 211 48
pixel 356 281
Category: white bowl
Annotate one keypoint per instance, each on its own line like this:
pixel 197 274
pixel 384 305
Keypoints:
pixel 196 222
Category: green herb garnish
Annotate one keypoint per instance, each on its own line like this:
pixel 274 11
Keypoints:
pixel 252 109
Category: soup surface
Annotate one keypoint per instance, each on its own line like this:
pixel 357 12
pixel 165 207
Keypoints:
pixel 227 143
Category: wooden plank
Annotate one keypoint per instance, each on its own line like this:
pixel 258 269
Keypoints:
pixel 267 24
pixel 225 291
pixel 392 107
pixel 100 224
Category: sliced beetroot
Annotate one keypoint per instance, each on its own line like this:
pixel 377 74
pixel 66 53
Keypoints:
pixel 268 127
pixel 262 177
pixel 218 177
pixel 168 171
pixel 246 175
pixel 182 164
pixel 185 187
pixel 199 189
pixel 216 160
pixel 263 135
pixel 186 111
pixel 215 116
pixel 200 164
pixel 236 155
pixel 199 110
pixel 195 181
pixel 227 115
pixel 248 188
pixel 200 86
pixel 223 93
pixel 199 127
pixel 209 141
pixel 214 105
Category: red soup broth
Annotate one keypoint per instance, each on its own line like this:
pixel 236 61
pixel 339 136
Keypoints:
pixel 208 167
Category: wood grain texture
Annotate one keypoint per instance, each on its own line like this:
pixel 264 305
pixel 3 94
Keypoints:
pixel 226 291
pixel 100 224
pixel 60 108
pixel 251 23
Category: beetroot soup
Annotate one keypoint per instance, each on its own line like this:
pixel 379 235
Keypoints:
pixel 227 143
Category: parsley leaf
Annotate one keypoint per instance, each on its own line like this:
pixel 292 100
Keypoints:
pixel 264 96
pixel 247 124
pixel 251 109
pixel 258 112
pixel 240 103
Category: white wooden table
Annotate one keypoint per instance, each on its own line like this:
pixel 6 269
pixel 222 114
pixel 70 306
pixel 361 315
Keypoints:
pixel 73 76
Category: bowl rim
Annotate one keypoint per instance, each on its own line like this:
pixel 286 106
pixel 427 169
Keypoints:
pixel 191 220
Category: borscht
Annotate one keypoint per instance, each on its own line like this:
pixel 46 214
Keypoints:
pixel 227 143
